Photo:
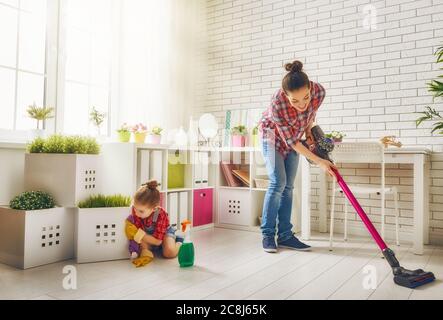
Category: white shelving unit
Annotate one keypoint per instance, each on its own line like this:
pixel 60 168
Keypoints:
pixel 135 163
pixel 240 207
pixel 250 199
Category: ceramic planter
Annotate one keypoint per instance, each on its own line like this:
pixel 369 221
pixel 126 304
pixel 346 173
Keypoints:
pixel 124 136
pixel 255 140
pixel 69 178
pixel 34 238
pixel 140 137
pixel 238 141
pixel 154 139
pixel 100 234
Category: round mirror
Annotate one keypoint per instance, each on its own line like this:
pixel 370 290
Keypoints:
pixel 208 126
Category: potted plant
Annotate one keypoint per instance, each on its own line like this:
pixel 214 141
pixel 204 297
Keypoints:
pixel 336 136
pixel 239 134
pixel 124 133
pixel 68 167
pixel 33 232
pixel 436 88
pixel 140 131
pixel 155 135
pixel 97 118
pixel 40 114
pixel 255 137
pixel 100 228
pixel 432 115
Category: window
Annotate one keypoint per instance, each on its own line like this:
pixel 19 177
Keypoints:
pixel 87 31
pixel 22 60
pixel 119 57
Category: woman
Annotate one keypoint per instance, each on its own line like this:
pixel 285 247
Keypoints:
pixel 290 116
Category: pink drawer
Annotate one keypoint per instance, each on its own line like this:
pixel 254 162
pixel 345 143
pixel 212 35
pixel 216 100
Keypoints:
pixel 203 204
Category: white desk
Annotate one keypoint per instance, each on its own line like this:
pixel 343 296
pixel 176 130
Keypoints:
pixel 418 157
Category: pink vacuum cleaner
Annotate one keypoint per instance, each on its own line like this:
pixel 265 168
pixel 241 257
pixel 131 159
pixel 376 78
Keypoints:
pixel 407 278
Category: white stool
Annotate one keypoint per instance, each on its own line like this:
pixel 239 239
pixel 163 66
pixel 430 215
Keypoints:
pixel 359 152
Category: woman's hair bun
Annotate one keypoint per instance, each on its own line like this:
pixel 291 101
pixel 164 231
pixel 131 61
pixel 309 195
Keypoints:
pixel 151 185
pixel 295 67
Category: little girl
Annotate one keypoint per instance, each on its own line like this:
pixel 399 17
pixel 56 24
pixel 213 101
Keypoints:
pixel 148 229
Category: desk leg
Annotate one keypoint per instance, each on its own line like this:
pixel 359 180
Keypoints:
pixel 426 191
pixel 323 202
pixel 305 199
pixel 419 203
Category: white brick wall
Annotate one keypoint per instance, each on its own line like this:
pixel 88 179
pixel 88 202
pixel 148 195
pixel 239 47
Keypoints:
pixel 375 80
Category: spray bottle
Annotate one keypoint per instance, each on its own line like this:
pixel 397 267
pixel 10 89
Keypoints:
pixel 186 252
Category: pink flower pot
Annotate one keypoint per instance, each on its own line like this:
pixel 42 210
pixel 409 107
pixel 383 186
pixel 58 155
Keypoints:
pixel 238 141
pixel 154 139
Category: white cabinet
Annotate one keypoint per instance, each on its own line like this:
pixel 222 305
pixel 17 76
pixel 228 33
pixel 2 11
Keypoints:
pixel 235 207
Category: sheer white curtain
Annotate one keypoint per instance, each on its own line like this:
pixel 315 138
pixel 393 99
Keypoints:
pixel 160 48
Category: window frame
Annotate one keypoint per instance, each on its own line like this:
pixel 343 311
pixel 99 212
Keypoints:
pixel 54 77
pixel 49 87
pixel 112 108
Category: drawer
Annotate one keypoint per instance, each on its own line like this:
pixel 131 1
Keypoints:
pixel 203 207
pixel 235 207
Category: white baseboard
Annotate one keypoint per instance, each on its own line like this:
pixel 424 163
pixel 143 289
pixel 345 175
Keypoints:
pixel 436 238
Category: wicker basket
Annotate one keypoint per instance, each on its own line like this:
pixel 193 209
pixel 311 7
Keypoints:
pixel 261 183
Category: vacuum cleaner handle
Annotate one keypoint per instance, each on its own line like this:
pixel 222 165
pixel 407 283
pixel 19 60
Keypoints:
pixel 360 211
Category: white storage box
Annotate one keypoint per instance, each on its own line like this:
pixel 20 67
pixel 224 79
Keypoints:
pixel 34 238
pixel 234 206
pixel 100 234
pixel 69 178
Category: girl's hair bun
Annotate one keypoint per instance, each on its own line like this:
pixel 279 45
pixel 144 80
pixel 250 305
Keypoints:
pixel 295 67
pixel 152 185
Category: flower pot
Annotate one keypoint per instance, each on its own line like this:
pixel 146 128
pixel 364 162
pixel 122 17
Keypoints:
pixel 154 139
pixel 338 140
pixel 238 141
pixel 124 136
pixel 36 133
pixel 30 239
pixel 255 140
pixel 140 137
pixel 100 234
pixel 69 178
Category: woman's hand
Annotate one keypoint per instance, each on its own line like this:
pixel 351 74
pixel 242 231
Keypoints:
pixel 327 166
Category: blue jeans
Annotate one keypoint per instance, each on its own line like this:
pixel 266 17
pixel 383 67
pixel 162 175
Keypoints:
pixel 278 200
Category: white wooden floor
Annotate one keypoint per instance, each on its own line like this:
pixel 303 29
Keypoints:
pixel 232 265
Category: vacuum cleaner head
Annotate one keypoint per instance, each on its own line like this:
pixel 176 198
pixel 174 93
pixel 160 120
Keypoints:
pixel 412 279
pixel 404 277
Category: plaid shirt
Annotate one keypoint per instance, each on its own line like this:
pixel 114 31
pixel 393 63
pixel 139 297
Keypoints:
pixel 161 227
pixel 283 125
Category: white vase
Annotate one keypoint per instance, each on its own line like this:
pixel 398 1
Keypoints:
pixel 37 133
